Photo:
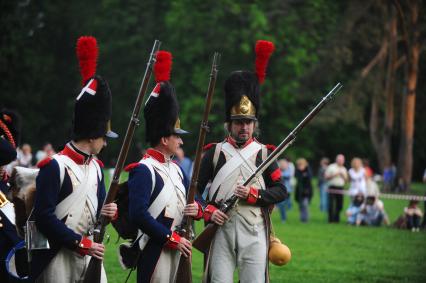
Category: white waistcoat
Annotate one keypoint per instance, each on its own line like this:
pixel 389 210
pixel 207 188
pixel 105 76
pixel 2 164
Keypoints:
pixel 81 205
pixel 231 178
pixel 172 196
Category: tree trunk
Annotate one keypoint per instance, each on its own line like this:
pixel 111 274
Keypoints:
pixel 386 144
pixel 405 156
pixel 381 127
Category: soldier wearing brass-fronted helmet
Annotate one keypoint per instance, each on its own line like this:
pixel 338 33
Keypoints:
pixel 242 239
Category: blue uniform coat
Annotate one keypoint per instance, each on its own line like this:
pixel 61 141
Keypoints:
pixel 49 193
pixel 159 229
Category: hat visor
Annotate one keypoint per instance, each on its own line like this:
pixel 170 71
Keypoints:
pixel 180 132
pixel 243 117
pixel 111 134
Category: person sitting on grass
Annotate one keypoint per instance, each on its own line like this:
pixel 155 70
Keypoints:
pixel 413 215
pixel 354 208
pixel 372 212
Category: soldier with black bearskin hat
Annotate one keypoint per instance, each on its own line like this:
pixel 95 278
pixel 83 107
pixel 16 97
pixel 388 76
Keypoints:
pixel 70 185
pixel 9 140
pixel 158 186
pixel 242 239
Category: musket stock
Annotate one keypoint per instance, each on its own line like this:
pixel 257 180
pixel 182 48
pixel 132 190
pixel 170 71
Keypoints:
pixel 93 272
pixel 203 241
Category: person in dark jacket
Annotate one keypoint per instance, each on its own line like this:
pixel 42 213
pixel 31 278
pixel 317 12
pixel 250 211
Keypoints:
pixel 304 192
pixel 9 140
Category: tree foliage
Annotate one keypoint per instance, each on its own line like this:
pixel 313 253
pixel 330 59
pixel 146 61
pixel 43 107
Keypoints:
pixel 318 43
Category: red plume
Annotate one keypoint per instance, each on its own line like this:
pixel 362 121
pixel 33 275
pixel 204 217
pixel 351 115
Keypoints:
pixel 263 50
pixel 163 66
pixel 87 54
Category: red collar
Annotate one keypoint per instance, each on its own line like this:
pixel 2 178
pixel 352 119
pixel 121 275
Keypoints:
pixel 78 157
pixel 150 152
pixel 232 141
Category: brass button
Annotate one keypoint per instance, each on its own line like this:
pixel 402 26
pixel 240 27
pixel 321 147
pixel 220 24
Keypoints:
pixel 1 225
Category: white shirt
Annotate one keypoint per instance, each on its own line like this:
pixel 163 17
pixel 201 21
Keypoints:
pixel 358 184
pixel 339 180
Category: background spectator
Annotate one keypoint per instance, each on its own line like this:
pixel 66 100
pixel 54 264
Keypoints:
pixel 389 174
pixel 303 192
pixel 357 178
pixel 322 183
pixel 336 176
pixel 372 212
pixel 286 175
pixel 368 170
pixel 46 151
pixel 413 215
pixel 184 162
pixel 354 209
pixel 424 218
pixel 25 156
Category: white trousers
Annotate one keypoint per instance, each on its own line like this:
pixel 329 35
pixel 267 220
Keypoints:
pixel 67 267
pixel 239 244
pixel 167 266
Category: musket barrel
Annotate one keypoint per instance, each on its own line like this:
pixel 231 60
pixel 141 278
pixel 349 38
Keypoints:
pixel 184 274
pixel 204 240
pixel 93 272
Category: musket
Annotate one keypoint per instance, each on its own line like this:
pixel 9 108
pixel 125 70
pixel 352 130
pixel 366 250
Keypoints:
pixel 93 272
pixel 203 241
pixel 184 274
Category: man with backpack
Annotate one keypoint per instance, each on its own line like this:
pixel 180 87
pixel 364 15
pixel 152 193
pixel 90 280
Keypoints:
pixel 158 187
pixel 70 185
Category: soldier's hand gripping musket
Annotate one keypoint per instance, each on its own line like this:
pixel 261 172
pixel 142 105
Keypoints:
pixel 184 274
pixel 93 273
pixel 203 241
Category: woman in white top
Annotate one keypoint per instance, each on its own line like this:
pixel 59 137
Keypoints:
pixel 357 178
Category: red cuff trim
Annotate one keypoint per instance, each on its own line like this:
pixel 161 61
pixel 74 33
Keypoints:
pixel 115 216
pixel 200 212
pixel 84 246
pixel 173 241
pixel 253 196
pixel 44 162
pixel 208 211
pixel 276 175
pixel 131 166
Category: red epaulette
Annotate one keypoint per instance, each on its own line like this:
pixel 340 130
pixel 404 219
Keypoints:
pixel 270 147
pixel 131 166
pixel 208 146
pixel 44 162
pixel 101 164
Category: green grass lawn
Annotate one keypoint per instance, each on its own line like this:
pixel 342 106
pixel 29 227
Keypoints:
pixel 324 252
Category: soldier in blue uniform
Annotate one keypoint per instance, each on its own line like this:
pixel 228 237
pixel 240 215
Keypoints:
pixel 9 138
pixel 70 185
pixel 158 186
pixel 242 240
